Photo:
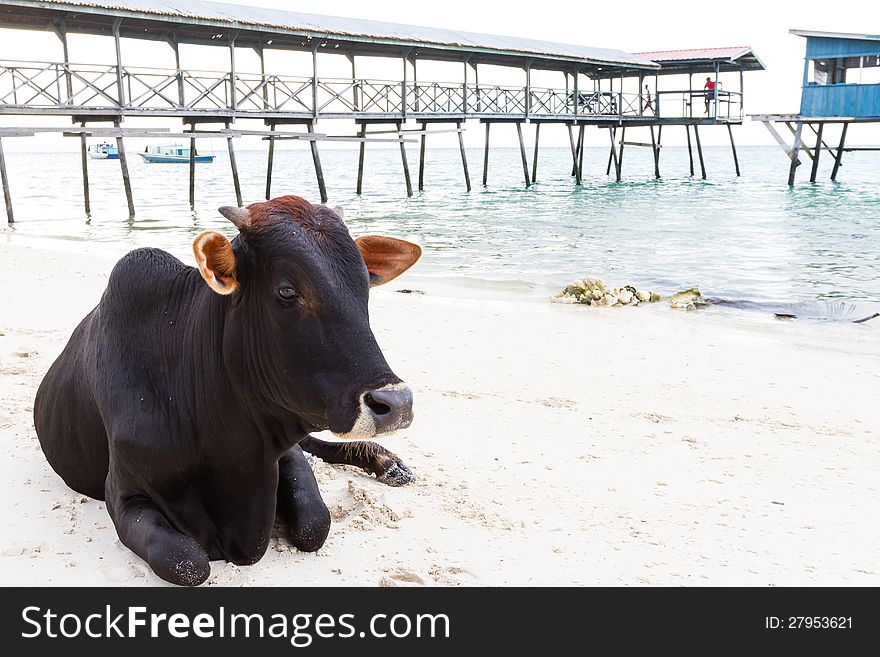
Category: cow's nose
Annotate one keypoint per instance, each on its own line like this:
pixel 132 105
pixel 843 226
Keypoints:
pixel 391 407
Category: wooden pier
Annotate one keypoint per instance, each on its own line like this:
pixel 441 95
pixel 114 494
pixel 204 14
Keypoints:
pixel 600 88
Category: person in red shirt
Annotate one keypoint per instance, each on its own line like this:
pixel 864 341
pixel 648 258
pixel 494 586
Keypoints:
pixel 710 92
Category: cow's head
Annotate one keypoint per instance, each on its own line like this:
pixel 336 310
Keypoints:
pixel 296 330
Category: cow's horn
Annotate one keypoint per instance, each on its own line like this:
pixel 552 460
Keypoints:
pixel 339 211
pixel 241 217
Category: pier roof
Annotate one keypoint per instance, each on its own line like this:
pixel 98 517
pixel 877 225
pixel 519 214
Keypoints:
pixel 198 21
pixel 703 60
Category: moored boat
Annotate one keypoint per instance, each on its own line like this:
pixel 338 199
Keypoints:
pixel 103 152
pixel 171 154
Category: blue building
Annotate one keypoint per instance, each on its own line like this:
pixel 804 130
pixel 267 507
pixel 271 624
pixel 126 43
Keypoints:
pixel 841 75
pixel 841 86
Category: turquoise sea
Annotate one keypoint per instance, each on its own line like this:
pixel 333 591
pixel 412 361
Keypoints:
pixel 814 248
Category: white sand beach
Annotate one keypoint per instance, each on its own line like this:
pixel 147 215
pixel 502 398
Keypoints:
pixel 553 445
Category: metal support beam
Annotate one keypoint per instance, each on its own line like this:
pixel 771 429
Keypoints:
pixel 574 154
pixel 581 147
pixel 700 151
pixel 794 153
pixel 733 148
pixel 486 156
pixel 84 156
pixel 403 161
pixel 316 159
pixel 522 152
pixel 839 152
pixel 233 100
pixel 4 180
pixel 315 78
pixel 234 165
pixel 535 157
pixel 61 32
pixel 690 152
pixel 464 164
pixel 362 134
pixel 620 155
pixel 817 153
pixel 612 132
pixel 123 164
pixel 422 156
pixel 269 163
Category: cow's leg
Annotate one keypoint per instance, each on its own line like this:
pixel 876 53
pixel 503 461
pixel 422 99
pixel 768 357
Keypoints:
pixel 369 456
pixel 143 529
pixel 300 503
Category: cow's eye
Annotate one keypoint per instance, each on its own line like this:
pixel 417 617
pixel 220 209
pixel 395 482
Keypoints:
pixel 287 293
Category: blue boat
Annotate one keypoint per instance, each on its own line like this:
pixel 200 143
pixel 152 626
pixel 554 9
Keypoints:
pixel 103 152
pixel 171 154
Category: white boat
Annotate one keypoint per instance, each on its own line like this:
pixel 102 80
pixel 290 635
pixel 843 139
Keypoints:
pixel 103 152
pixel 171 154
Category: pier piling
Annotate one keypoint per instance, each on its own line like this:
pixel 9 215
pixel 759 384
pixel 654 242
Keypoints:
pixel 270 161
pixel 123 165
pixel 234 166
pixel 4 179
pixel 535 158
pixel 192 169
pixel 816 153
pixel 839 152
pixel 319 171
pixel 84 157
pixel 522 152
pixel 700 151
pixel 690 151
pixel 795 150
pixel 362 133
pixel 424 136
pixel 403 160
pixel 464 164
pixel 733 148
pixel 486 157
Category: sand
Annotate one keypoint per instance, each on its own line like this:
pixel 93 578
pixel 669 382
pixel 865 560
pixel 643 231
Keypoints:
pixel 553 445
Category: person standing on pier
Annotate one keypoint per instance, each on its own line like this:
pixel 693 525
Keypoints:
pixel 649 104
pixel 709 87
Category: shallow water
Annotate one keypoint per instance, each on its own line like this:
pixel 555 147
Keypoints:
pixel 749 239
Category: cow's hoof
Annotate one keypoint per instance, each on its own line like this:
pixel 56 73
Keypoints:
pixel 183 562
pixel 397 474
pixel 310 527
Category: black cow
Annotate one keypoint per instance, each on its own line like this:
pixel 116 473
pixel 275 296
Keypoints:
pixel 184 397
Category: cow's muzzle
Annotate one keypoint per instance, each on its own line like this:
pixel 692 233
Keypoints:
pixel 382 410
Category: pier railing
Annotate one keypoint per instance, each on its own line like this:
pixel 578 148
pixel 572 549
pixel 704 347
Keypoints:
pixel 67 88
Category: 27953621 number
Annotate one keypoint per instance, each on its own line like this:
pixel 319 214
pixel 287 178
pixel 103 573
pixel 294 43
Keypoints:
pixel 808 622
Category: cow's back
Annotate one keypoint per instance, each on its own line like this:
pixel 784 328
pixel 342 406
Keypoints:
pixel 68 423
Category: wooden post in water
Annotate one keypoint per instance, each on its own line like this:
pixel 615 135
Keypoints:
pixel 362 133
pixel 422 155
pixel 581 146
pixel 234 165
pixel 699 150
pixel 690 152
pixel 192 169
pixel 839 152
pixel 620 156
pixel 464 164
pixel 522 152
pixel 4 179
pixel 270 162
pixel 316 159
pixel 611 131
pixel 486 156
pixel 409 191
pixel 795 150
pixel 123 164
pixel 84 156
pixel 733 148
pixel 656 154
pixel 574 153
pixel 816 153
pixel 535 157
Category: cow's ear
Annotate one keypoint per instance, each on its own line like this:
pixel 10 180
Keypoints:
pixel 216 261
pixel 387 257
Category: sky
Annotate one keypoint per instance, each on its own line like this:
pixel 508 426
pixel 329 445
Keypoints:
pixel 634 26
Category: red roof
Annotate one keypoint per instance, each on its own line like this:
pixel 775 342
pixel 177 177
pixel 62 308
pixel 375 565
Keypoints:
pixel 695 53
